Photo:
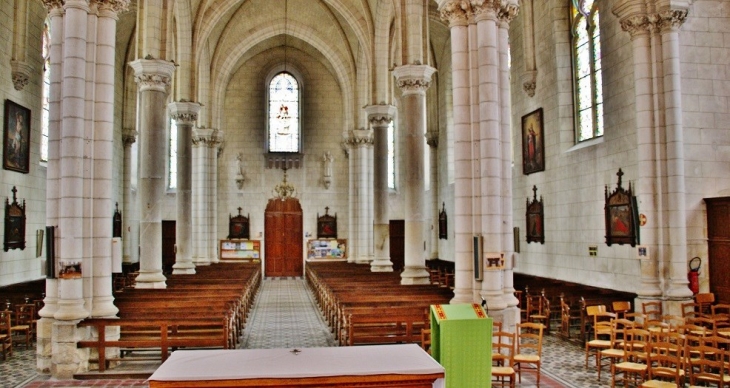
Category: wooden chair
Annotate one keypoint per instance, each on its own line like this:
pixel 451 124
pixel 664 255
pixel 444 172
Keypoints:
pixel 24 323
pixel 6 337
pixel 633 370
pixel 707 365
pixel 721 315
pixel 652 310
pixel 664 365
pixel 538 310
pixel 529 348
pixel 503 352
pixel 690 310
pixel 426 340
pixel 620 308
pixel 601 334
pixel 569 318
pixel 615 352
pixel 705 300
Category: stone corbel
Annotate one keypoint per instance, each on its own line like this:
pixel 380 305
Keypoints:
pixel 529 82
pixel 21 73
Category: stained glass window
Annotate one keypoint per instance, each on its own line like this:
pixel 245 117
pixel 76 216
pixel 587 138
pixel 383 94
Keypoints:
pixel 588 90
pixel 284 114
pixel 45 118
pixel 172 157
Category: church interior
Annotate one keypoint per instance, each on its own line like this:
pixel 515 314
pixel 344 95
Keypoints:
pixel 532 157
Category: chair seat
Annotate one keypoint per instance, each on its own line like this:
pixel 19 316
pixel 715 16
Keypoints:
pixel 599 343
pixel 631 366
pixel 502 371
pixel 658 384
pixel 20 327
pixel 526 358
pixel 613 352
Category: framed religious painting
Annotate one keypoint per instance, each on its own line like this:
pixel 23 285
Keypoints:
pixel 535 219
pixel 16 138
pixel 238 226
pixel 533 149
pixel 621 215
pixel 326 225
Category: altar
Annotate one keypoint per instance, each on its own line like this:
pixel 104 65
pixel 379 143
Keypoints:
pixel 352 366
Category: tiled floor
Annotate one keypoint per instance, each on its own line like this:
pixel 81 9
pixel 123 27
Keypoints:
pixel 285 315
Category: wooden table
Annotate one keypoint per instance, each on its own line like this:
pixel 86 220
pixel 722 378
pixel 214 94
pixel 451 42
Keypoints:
pixel 352 366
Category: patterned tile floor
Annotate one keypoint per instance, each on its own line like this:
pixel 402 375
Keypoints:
pixel 285 315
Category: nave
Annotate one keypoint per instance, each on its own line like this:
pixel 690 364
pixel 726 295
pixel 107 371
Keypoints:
pixel 285 315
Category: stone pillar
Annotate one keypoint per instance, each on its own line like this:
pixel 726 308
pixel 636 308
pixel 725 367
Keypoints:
pixel 669 22
pixel 491 191
pixel 413 80
pixel 380 116
pixel 45 325
pixel 215 152
pixel 130 235
pixel 432 140
pixel 361 142
pixel 185 114
pixel 458 24
pixel 202 141
pixel 103 302
pixel 507 13
pixel 153 78
pixel 635 21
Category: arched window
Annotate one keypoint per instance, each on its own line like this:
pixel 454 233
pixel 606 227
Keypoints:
pixel 45 118
pixel 587 77
pixel 284 128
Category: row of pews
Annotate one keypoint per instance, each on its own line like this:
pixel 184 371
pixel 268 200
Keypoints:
pixel 363 307
pixel 205 310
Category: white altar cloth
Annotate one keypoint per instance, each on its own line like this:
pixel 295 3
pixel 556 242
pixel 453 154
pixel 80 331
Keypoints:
pixel 194 365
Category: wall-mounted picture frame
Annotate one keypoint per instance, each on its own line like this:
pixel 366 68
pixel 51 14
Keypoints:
pixel 16 138
pixel 327 225
pixel 14 223
pixel 533 148
pixel 621 215
pixel 535 219
pixel 443 223
pixel 238 226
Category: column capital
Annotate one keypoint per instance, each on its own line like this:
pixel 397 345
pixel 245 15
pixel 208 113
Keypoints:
pixel 184 112
pixel 456 12
pixel 633 17
pixel 508 11
pixel 77 4
pixel 485 9
pixel 115 6
pixel 204 136
pixel 153 74
pixel 360 137
pixel 381 114
pixel 413 79
pixel 129 136
pixel 671 19
pixel 53 5
pixel 21 72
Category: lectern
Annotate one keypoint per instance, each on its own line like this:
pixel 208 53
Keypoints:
pixel 461 341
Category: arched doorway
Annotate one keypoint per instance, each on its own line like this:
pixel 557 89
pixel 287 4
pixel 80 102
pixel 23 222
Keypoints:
pixel 283 254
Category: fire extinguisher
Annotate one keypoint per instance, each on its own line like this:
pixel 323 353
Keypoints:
pixel 694 274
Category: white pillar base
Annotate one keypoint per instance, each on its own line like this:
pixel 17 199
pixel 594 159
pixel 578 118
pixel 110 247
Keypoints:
pixel 184 268
pixel 415 275
pixel 104 307
pixel 67 358
pixel 150 280
pixel 381 265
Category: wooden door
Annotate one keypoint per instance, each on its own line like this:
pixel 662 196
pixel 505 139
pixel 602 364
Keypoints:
pixel 718 244
pixel 284 247
pixel 168 246
pixel 397 244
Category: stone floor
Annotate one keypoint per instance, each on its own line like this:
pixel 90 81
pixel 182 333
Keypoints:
pixel 285 315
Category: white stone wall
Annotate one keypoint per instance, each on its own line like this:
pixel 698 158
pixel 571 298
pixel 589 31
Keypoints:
pixel 244 126
pixel 22 265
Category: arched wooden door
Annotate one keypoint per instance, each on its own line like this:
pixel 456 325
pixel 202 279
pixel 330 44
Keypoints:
pixel 283 254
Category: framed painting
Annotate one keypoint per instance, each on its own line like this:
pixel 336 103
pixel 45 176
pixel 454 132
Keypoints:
pixel 533 150
pixel 16 138
pixel 238 226
pixel 621 215
pixel 535 219
pixel 326 225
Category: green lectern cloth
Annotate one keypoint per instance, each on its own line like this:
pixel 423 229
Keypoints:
pixel 461 341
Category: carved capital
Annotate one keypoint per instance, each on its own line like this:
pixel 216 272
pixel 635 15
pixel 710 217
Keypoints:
pixel 21 72
pixel 636 24
pixel 380 115
pixel 153 74
pixel 485 9
pixel 671 19
pixel 508 10
pixel 184 112
pixel 204 137
pixel 456 12
pixel 129 136
pixel 52 5
pixel 116 6
pixel 413 79
pixel 360 138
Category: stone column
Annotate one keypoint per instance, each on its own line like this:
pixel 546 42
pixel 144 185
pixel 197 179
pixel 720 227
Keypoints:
pixel 361 142
pixel 380 116
pixel 185 114
pixel 215 152
pixel 490 139
pixel 45 324
pixel 202 140
pixel 413 80
pixel 458 24
pixel 106 26
pixel 432 140
pixel 635 21
pixel 130 235
pixel 669 22
pixel 153 79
